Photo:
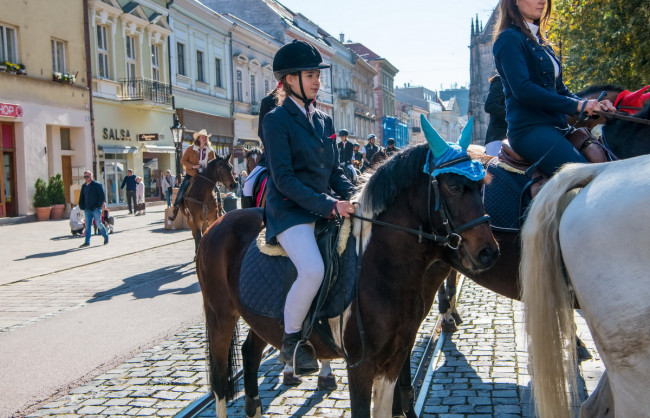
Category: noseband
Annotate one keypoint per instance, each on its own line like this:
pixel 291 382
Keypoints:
pixel 452 239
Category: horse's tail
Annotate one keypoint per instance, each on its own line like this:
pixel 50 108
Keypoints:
pixel 544 291
pixel 233 366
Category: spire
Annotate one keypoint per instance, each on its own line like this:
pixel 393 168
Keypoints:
pixel 472 26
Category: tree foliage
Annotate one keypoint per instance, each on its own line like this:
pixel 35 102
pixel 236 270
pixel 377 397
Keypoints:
pixel 603 41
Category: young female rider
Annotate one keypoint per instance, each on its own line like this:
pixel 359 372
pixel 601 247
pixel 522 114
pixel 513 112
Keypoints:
pixel 195 158
pixel 537 101
pixel 303 162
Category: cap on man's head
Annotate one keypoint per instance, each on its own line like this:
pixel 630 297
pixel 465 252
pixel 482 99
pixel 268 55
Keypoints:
pixel 391 141
pixel 355 145
pixel 343 132
pixel 371 136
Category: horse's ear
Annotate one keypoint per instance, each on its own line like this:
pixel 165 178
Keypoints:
pixel 228 157
pixel 438 145
pixel 465 137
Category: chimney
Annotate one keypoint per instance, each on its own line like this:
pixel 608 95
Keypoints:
pixel 342 37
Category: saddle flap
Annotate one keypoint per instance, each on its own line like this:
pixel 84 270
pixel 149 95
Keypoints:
pixel 508 156
pixel 588 145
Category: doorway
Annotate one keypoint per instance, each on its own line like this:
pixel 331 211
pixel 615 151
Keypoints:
pixel 8 200
pixel 114 171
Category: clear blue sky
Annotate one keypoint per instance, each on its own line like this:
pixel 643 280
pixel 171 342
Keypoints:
pixel 427 40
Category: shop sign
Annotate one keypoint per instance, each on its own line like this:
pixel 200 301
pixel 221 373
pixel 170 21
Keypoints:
pixel 237 152
pixel 11 110
pixel 147 137
pixel 116 134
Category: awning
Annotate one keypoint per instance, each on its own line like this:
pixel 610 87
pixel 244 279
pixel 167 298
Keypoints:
pixel 160 148
pixel 116 149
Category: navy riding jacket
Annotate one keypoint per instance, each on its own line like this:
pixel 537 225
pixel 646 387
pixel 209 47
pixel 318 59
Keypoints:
pixel 304 164
pixel 534 96
pixel 92 196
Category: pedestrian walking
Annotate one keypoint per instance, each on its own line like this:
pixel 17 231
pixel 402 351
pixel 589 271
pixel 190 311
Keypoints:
pixel 91 201
pixel 129 182
pixel 167 184
pixel 139 196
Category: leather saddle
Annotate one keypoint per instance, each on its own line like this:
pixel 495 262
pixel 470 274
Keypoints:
pixel 581 138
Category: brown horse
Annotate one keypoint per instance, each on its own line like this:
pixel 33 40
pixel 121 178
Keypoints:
pixel 201 204
pixel 389 301
pixel 258 178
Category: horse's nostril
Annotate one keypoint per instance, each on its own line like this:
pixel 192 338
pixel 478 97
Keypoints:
pixel 487 256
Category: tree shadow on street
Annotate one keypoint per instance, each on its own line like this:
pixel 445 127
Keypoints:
pixel 148 285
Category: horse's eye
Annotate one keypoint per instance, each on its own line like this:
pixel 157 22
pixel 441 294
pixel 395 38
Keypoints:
pixel 456 188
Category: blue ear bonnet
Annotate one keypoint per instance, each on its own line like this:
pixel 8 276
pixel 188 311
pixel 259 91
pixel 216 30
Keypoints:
pixel 473 170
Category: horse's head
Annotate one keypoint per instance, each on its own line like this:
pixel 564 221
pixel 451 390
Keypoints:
pixel 455 201
pixel 252 157
pixel 220 170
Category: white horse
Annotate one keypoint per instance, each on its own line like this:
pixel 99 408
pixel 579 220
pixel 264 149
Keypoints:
pixel 591 221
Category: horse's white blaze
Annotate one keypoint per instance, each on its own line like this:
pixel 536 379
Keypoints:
pixel 220 407
pixel 604 235
pixel 382 397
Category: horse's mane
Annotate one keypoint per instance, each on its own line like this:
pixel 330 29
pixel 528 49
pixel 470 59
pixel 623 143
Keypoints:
pixel 597 88
pixel 254 150
pixel 382 187
pixel 644 113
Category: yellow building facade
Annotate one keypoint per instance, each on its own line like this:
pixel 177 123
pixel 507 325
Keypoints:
pixel 132 98
pixel 44 99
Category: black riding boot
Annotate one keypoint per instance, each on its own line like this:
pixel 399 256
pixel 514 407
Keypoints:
pixel 297 355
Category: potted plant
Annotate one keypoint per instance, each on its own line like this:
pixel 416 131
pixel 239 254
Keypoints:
pixel 56 194
pixel 13 68
pixel 41 200
pixel 21 69
pixel 57 76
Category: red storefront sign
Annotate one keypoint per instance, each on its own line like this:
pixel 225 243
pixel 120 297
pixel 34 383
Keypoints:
pixel 11 110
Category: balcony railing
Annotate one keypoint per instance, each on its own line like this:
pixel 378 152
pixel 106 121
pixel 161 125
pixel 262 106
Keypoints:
pixel 144 89
pixel 416 129
pixel 347 94
pixel 255 108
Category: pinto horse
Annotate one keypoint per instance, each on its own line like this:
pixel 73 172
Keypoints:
pixel 200 203
pixel 393 211
pixel 588 229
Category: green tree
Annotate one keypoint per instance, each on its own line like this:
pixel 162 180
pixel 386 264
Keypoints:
pixel 603 41
pixel 41 198
pixel 56 190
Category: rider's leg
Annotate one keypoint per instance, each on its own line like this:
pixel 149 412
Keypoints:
pixel 300 244
pixel 179 197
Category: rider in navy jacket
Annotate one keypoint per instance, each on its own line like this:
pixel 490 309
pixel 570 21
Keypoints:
pixel 537 101
pixel 303 161
pixel 304 164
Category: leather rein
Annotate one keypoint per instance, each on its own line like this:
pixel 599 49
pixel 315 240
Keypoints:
pixel 452 239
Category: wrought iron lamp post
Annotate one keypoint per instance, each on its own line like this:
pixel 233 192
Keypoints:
pixel 177 134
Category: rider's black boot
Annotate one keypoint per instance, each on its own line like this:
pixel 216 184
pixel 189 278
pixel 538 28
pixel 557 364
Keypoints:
pixel 297 354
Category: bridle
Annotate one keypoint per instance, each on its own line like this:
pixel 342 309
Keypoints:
pixel 452 237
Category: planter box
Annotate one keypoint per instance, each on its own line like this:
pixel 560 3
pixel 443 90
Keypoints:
pixel 57 211
pixel 43 214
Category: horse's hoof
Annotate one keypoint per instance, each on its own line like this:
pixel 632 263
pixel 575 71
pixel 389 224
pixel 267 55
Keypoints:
pixel 251 406
pixel 457 318
pixel 289 379
pixel 327 383
pixel 449 327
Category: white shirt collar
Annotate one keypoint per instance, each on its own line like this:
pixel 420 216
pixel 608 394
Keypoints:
pixel 533 28
pixel 301 106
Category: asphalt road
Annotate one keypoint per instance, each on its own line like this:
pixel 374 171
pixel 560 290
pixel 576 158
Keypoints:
pixel 69 314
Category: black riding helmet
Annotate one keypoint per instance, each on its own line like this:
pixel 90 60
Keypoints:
pixel 296 57
pixel 343 132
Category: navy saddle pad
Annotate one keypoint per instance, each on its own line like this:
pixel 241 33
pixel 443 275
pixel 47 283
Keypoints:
pixel 501 197
pixel 262 282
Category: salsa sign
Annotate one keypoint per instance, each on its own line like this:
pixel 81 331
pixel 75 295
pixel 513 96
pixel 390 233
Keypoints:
pixel 11 110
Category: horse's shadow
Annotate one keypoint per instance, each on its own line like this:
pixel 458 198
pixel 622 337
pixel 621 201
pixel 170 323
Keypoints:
pixel 271 388
pixel 458 388
pixel 138 284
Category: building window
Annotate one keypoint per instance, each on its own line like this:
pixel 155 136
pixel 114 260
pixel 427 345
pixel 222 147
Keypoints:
pixel 8 47
pixel 130 58
pixel 155 62
pixel 217 74
pixel 180 51
pixel 65 139
pixel 266 87
pixel 240 91
pixel 58 56
pixel 102 52
pixel 253 90
pixel 199 66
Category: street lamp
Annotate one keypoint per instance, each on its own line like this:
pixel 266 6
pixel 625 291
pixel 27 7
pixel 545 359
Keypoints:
pixel 177 135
